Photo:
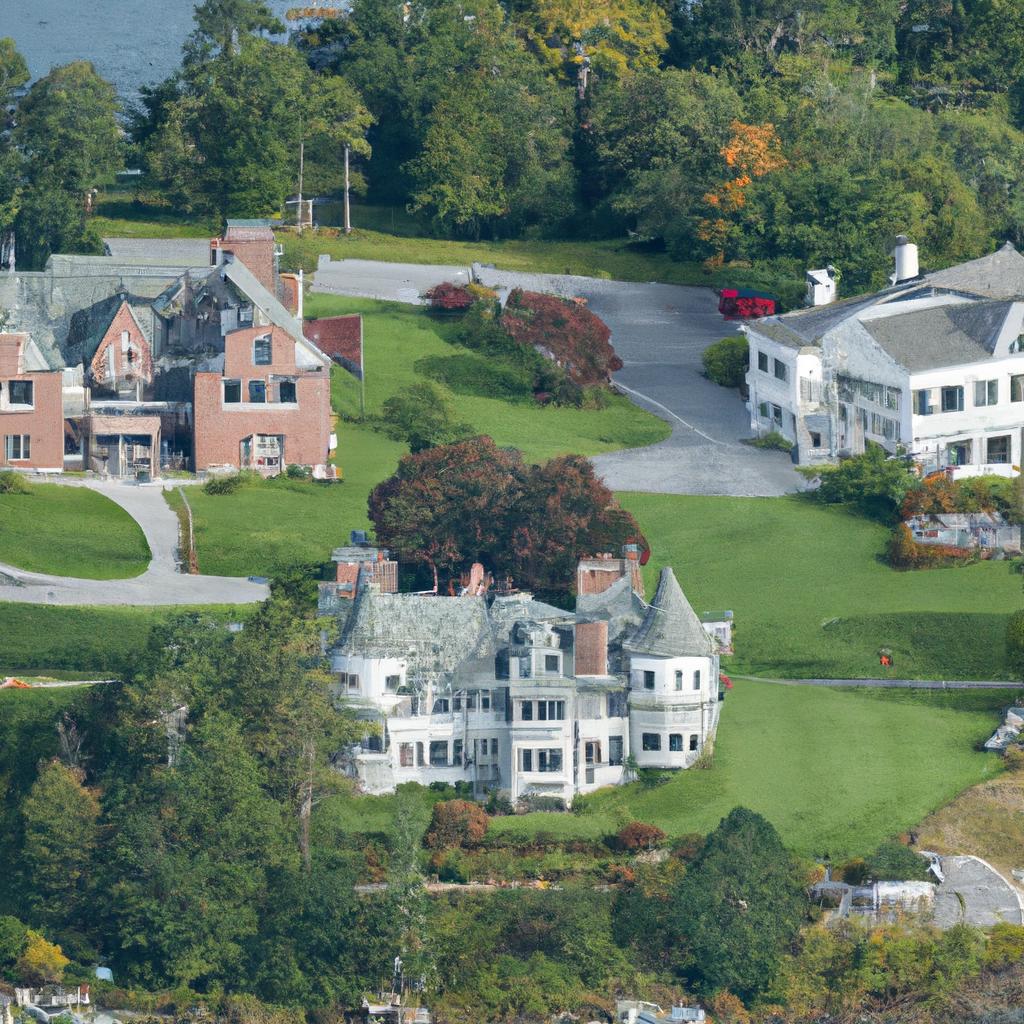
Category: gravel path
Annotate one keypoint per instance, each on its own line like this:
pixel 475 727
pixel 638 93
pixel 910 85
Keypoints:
pixel 659 331
pixel 161 583
pixel 973 892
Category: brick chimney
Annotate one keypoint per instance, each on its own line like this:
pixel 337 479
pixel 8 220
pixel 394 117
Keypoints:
pixel 252 245
pixel 592 648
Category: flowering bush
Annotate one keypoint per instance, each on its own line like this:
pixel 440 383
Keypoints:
pixel 450 298
pixel 638 835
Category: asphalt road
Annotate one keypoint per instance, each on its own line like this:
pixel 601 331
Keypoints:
pixel 660 332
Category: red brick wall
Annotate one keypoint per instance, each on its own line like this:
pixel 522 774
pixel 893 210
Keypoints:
pixel 143 364
pixel 44 424
pixel 219 429
pixel 592 648
pixel 257 254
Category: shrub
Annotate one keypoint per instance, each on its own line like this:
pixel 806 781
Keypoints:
pixel 638 835
pixel 773 441
pixel 1013 758
pixel 687 848
pixel 456 823
pixel 904 552
pixel 894 862
pixel 297 472
pixel 872 482
pixel 231 483
pixel 13 483
pixel 449 298
pixel 422 417
pixel 1005 946
pixel 536 802
pixel 469 374
pixel 725 362
pixel 855 872
pixel 498 804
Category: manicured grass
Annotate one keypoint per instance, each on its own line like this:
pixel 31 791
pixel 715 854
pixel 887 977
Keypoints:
pixel 619 259
pixel 836 771
pixel 120 216
pixel 83 642
pixel 813 597
pixel 70 531
pixel 266 527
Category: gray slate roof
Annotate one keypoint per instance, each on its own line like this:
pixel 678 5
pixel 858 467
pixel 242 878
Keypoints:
pixel 90 324
pixel 442 638
pixel 670 628
pixel 941 336
pixel 168 251
pixel 1000 275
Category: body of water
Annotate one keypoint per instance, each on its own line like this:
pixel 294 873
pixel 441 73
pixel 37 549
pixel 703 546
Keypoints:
pixel 131 42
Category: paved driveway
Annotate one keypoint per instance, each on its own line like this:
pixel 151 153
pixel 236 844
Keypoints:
pixel 161 583
pixel 975 893
pixel 660 332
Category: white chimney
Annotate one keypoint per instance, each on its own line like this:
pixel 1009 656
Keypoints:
pixel 821 286
pixel 905 254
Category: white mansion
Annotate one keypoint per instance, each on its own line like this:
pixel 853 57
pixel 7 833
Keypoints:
pixel 933 364
pixel 510 694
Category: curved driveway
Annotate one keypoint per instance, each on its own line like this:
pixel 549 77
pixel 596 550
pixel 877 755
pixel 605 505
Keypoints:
pixel 161 583
pixel 659 331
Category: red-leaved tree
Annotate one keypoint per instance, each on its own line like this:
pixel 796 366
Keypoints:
pixel 453 505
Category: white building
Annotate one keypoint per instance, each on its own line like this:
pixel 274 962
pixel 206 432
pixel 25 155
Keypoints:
pixel 933 364
pixel 510 694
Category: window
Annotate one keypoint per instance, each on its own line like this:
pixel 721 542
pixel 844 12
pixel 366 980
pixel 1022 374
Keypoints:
pixel 675 742
pixel 494 748
pixel 350 679
pixel 17 447
pixel 953 399
pixel 441 706
pixel 923 402
pixel 777 415
pixel 551 663
pixel 762 361
pixel 986 392
pixel 286 391
pixel 780 369
pixel 1017 387
pixel 527 760
pixel 815 439
pixel 471 700
pixel 485 700
pixel 693 741
pixel 392 683
pixel 405 755
pixel 457 703
pixel 551 710
pixel 651 741
pixel 617 705
pixel 262 351
pixel 457 752
pixel 419 755
pixel 483 748
pixel 232 392
pixel 257 391
pixel 21 392
pixel 549 760
pixel 615 750
pixel 998 449
pixel 696 679
pixel 526 711
pixel 679 679
pixel 439 753
pixel 648 680
pixel 959 453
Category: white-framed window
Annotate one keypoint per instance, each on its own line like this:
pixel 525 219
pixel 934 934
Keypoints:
pixel 21 392
pixel 439 753
pixel 780 369
pixel 679 679
pixel 675 742
pixel 262 351
pixel 551 710
pixel 258 391
pixel 694 741
pixel 997 449
pixel 952 398
pixel 762 361
pixel 457 753
pixel 696 679
pixel 526 711
pixel 648 679
pixel 615 756
pixel 18 447
pixel 405 755
pixel 485 700
pixel 392 683
pixel 1017 387
pixel 552 664
pixel 923 402
pixel 350 680
pixel 986 392
pixel 651 741
pixel 549 760
pixel 441 706
pixel 232 392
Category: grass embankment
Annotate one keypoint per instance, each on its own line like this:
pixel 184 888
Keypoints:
pixel 84 642
pixel 120 216
pixel 70 531
pixel 813 597
pixel 836 771
pixel 265 527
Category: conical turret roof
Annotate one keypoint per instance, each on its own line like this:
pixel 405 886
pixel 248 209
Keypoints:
pixel 670 628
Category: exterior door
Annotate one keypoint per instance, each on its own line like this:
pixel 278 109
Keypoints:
pixel 591 755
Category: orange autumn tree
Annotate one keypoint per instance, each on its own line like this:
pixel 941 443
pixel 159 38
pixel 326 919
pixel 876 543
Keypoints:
pixel 753 150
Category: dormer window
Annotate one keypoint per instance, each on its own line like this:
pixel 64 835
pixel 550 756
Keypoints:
pixel 262 351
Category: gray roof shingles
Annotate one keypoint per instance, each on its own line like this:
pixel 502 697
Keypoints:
pixel 670 628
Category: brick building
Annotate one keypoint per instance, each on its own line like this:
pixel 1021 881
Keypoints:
pixel 159 366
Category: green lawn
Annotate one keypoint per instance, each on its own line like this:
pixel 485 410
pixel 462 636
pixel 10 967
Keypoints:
pixel 813 598
pixel 70 531
pixel 266 527
pixel 120 216
pixel 82 642
pixel 836 771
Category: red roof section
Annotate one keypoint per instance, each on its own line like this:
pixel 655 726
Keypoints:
pixel 337 336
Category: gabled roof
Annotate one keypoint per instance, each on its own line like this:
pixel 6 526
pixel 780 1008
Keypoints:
pixel 670 628
pixel 90 325
pixel 439 637
pixel 1000 275
pixel 927 339
pixel 247 282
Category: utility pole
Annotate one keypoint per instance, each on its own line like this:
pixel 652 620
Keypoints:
pixel 348 215
pixel 302 166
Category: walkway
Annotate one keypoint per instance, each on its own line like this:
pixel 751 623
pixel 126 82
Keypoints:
pixel 160 584
pixel 660 332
